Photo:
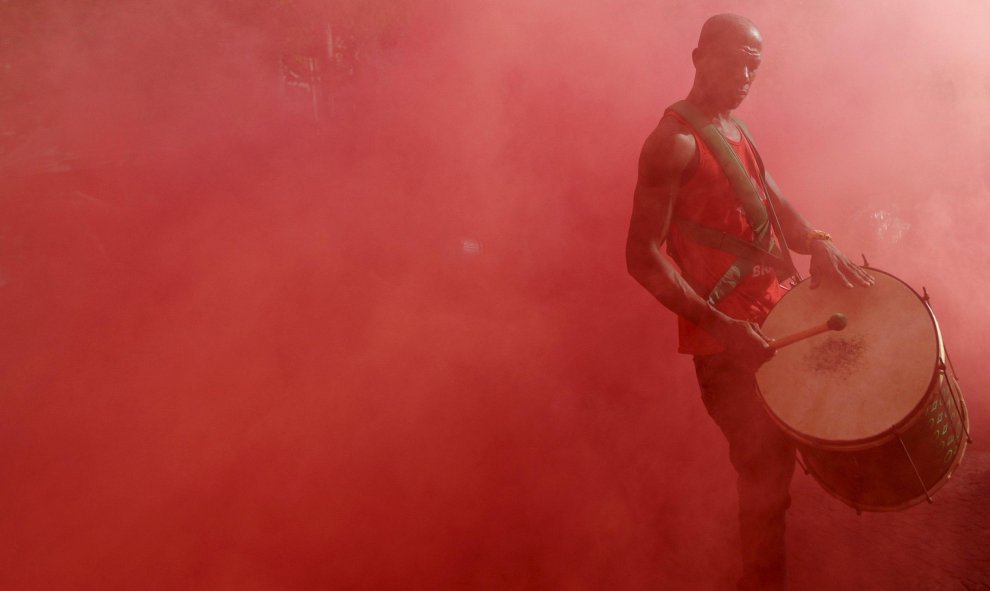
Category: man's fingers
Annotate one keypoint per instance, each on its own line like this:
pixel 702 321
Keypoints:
pixel 765 353
pixel 845 279
pixel 756 328
pixel 855 274
pixel 865 277
pixel 842 273
pixel 838 268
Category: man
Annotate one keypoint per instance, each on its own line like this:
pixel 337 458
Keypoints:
pixel 731 260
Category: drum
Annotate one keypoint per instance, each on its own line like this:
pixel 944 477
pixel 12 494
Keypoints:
pixel 875 409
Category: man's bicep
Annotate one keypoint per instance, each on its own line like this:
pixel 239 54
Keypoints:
pixel 653 206
pixel 664 157
pixel 661 165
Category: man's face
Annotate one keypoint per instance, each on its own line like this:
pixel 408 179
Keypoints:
pixel 727 70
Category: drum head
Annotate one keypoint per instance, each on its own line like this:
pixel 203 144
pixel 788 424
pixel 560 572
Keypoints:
pixel 856 384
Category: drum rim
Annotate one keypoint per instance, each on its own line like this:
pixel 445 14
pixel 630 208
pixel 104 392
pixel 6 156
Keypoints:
pixel 891 432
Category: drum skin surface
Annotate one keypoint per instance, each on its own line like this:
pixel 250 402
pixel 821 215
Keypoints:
pixel 851 385
pixel 875 409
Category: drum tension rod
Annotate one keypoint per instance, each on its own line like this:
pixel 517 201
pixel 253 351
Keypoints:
pixel 962 420
pixel 916 472
pixel 866 263
pixel 924 294
pixel 955 396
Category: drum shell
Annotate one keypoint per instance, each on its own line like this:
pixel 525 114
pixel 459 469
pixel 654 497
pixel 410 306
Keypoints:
pixel 907 465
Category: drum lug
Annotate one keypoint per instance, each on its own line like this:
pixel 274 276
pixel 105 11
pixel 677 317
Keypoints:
pixel 924 294
pixel 866 263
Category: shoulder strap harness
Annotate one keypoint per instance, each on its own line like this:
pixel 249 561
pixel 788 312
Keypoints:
pixel 763 250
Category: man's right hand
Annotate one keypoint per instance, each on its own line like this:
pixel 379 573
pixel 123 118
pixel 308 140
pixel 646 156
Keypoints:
pixel 743 340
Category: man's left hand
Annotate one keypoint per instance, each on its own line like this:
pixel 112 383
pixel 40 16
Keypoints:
pixel 828 262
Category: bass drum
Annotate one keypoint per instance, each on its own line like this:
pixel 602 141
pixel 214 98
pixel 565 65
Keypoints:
pixel 875 409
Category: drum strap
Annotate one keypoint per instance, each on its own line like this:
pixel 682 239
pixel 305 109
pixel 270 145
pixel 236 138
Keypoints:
pixel 763 250
pixel 749 251
pixel 791 270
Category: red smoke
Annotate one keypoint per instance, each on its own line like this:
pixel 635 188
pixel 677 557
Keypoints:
pixel 397 348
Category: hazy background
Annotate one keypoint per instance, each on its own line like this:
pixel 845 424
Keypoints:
pixel 383 338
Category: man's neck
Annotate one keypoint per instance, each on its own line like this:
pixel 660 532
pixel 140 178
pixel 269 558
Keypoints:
pixel 706 106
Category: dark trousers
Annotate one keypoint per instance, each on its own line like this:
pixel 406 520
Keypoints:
pixel 764 461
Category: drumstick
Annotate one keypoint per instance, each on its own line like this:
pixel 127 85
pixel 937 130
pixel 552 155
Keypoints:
pixel 836 322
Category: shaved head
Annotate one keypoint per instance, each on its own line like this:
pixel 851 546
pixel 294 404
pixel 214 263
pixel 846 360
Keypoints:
pixel 730 49
pixel 729 29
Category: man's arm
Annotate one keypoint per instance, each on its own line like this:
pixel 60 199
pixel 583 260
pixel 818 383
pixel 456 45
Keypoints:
pixel 662 161
pixel 665 156
pixel 826 259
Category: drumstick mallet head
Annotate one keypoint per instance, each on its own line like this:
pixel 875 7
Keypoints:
pixel 837 321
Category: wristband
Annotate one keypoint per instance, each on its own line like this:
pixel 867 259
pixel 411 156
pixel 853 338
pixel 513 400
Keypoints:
pixel 815 235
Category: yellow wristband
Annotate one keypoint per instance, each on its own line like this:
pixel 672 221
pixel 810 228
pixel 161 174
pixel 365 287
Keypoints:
pixel 815 235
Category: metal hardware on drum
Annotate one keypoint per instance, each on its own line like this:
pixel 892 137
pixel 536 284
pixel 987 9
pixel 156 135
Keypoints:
pixel 955 399
pixel 924 487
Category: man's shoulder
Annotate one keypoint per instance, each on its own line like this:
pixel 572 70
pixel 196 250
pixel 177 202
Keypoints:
pixel 672 128
pixel 670 144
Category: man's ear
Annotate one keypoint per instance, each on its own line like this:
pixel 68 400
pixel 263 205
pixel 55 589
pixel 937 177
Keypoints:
pixel 695 56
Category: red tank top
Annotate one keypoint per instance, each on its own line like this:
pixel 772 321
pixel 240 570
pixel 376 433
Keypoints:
pixel 708 199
